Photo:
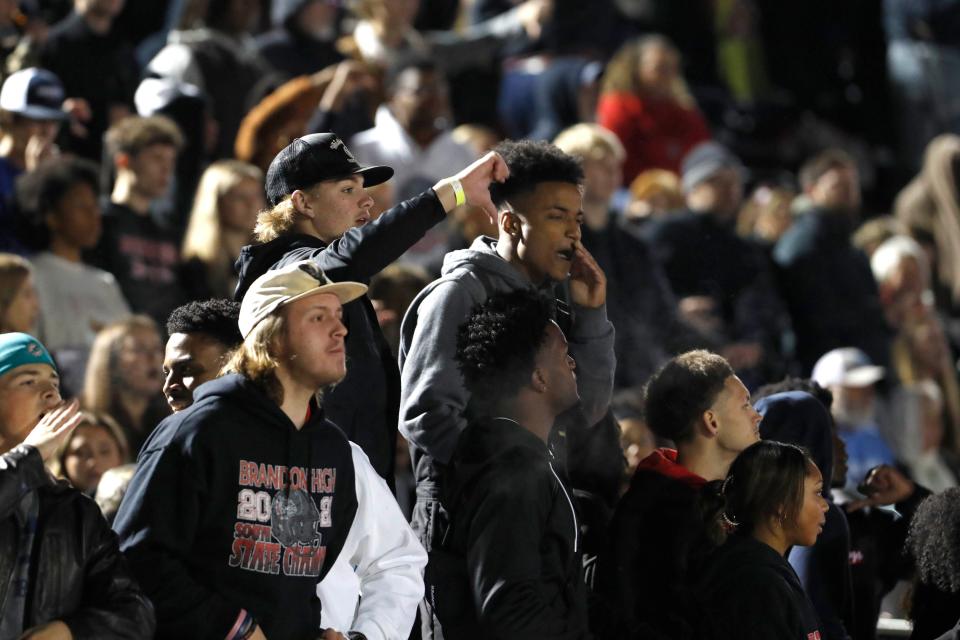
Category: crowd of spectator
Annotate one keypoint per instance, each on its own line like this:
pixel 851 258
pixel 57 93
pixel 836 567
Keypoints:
pixel 431 319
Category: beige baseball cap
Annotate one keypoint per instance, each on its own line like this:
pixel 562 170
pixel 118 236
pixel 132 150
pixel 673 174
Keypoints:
pixel 287 284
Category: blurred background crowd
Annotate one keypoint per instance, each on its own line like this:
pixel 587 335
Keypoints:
pixel 774 181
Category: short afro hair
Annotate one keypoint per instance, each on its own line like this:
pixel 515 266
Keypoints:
pixel 681 390
pixel 934 540
pixel 216 318
pixel 532 162
pixel 498 344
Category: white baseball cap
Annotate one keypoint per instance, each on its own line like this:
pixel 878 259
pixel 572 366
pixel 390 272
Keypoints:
pixel 33 93
pixel 847 367
pixel 290 283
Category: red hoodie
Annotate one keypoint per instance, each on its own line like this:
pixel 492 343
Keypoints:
pixel 664 462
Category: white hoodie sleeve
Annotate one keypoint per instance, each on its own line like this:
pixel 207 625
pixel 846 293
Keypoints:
pixel 388 559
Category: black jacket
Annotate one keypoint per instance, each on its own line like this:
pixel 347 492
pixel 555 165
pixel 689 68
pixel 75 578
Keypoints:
pixel 511 558
pixel 78 574
pixel 366 404
pixel 657 542
pixel 233 507
pixel 829 289
pixel 752 593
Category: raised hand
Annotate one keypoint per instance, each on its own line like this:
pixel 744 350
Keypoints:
pixel 475 180
pixel 588 283
pixel 883 485
pixel 54 428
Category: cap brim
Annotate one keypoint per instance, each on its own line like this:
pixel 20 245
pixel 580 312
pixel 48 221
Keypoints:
pixel 863 376
pixel 372 176
pixel 345 292
pixel 42 113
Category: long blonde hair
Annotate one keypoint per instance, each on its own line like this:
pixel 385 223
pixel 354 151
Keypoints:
pixel 102 381
pixel 204 236
pixel 256 357
pixel 622 73
pixel 14 270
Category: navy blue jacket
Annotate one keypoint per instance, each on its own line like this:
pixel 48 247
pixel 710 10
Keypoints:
pixel 796 417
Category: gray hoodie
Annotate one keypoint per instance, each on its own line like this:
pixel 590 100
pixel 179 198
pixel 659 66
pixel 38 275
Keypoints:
pixel 432 395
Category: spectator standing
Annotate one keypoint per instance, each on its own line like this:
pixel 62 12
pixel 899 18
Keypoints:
pixel 932 542
pixel 321 211
pixel 221 223
pixel 640 302
pixel 303 38
pixel 76 299
pixel 31 113
pixel 929 206
pixel 645 101
pixel 799 418
pixel 202 336
pixel 697 401
pixel 773 496
pixel 143 256
pixel 95 446
pixel 63 574
pixel 851 377
pixel 124 380
pixel 510 559
pixel 321 497
pixel 412 134
pixel 19 306
pixel 79 50
pixel 723 281
pixel 825 281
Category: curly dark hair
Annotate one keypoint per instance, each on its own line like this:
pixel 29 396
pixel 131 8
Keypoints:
pixel 532 162
pixel 681 390
pixel 216 318
pixel 41 193
pixel 934 540
pixel 497 345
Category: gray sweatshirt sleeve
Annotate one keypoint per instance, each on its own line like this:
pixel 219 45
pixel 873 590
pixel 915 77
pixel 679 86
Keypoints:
pixel 591 345
pixel 432 394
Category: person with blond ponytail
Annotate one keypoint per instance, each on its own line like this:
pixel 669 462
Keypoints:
pixel 320 211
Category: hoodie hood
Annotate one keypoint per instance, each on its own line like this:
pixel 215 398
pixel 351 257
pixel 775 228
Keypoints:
pixel 482 256
pixel 664 462
pixel 796 417
pixel 256 259
pixel 238 391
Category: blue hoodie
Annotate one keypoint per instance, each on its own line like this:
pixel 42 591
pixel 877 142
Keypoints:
pixel 796 417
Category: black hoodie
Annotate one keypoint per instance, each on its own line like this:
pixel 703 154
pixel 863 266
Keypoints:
pixel 365 404
pixel 753 593
pixel 233 507
pixel 796 417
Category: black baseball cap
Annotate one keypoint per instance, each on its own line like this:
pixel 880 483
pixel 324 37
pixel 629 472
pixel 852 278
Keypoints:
pixel 315 158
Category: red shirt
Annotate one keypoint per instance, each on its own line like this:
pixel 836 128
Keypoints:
pixel 664 461
pixel 656 133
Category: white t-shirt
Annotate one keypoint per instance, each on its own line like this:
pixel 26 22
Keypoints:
pixel 76 301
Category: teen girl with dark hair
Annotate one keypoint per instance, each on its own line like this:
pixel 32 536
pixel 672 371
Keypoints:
pixel 773 496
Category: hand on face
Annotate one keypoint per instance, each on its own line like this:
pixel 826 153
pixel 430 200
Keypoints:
pixel 588 283
pixel 54 427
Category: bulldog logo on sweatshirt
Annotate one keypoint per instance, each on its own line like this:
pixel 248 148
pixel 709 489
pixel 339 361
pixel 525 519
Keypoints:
pixel 295 519
pixel 281 516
